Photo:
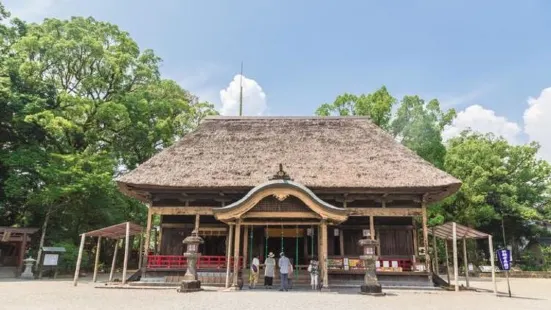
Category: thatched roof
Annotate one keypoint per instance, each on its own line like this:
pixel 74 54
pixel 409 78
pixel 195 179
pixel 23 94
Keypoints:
pixel 328 152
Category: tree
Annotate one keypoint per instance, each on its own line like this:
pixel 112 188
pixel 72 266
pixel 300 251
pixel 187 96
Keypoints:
pixel 82 102
pixel 502 184
pixel 377 105
pixel 419 125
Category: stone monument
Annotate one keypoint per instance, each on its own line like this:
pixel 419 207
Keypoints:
pixel 371 285
pixel 28 273
pixel 191 283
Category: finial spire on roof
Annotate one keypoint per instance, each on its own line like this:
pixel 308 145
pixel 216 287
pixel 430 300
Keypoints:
pixel 281 175
pixel 241 91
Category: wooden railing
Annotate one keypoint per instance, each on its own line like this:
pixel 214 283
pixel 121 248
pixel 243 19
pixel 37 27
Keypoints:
pixel 180 262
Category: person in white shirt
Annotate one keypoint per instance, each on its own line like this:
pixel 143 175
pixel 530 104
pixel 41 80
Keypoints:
pixel 269 270
pixel 313 269
pixel 283 270
pixel 255 268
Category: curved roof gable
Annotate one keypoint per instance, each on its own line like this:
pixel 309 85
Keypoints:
pixel 281 189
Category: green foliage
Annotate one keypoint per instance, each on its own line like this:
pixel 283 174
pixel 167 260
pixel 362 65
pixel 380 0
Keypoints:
pixel 80 103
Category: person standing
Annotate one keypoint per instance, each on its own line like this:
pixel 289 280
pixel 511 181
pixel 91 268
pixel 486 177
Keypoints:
pixel 313 269
pixel 283 270
pixel 269 270
pixel 255 268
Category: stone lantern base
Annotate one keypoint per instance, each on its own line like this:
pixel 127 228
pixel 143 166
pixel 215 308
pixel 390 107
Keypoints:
pixel 188 286
pixel 372 289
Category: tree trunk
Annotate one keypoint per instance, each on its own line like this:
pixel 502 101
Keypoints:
pixel 41 243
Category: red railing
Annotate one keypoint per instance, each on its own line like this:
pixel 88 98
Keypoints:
pixel 180 262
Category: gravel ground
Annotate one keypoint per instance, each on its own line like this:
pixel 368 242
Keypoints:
pixel 60 294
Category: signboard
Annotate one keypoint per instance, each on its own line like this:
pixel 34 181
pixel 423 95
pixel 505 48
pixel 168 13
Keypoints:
pixel 366 233
pixel 50 259
pixel 336 232
pixel 309 231
pixel 504 257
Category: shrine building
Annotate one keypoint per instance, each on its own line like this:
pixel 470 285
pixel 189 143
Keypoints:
pixel 305 186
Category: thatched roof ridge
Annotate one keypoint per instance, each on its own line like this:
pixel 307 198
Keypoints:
pixel 319 152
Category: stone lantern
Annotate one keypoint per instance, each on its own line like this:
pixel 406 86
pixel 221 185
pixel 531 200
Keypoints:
pixel 371 285
pixel 191 282
pixel 28 273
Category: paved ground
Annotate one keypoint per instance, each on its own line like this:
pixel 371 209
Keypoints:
pixel 528 294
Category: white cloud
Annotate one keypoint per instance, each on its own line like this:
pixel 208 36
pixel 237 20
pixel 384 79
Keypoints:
pixel 483 120
pixel 254 98
pixel 537 122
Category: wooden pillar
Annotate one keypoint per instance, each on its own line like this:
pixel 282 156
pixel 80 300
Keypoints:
pixel 245 247
pixel 112 271
pixel 229 240
pixel 435 269
pixel 147 240
pixel 79 258
pixel 324 254
pixel 96 262
pixel 492 258
pixel 372 228
pixel 236 253
pixel 197 221
pixel 426 236
pixel 22 251
pixel 341 241
pixel 415 239
pixel 455 267
pixel 126 248
pixel 465 261
pixel 140 252
pixel 378 237
pixel 447 261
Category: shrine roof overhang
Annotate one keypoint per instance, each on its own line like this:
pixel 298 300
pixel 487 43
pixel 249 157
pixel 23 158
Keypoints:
pixel 281 189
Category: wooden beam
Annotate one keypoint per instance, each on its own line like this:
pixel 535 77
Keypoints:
pixel 126 254
pixel 372 228
pixel 197 221
pixel 435 247
pixel 280 223
pixel 79 258
pixel 455 267
pixel 447 262
pixel 324 253
pixel 245 247
pixel 22 253
pixel 96 262
pixel 194 210
pixel 384 212
pixel 229 240
pixel 426 237
pixel 465 262
pixel 491 248
pixel 299 215
pixel 140 252
pixel 236 254
pixel 341 242
pixel 147 240
pixel 112 271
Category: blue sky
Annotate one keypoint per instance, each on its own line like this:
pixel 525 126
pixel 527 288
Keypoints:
pixel 493 55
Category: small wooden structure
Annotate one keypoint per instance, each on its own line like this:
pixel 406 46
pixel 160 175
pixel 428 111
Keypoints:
pixel 115 232
pixel 453 231
pixel 16 239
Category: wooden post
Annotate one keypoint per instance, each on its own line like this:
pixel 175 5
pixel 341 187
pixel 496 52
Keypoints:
pixel 140 252
pixel 378 237
pixel 147 240
pixel 245 247
pixel 426 236
pixel 324 254
pixel 22 251
pixel 96 262
pixel 112 271
pixel 126 248
pixel 236 253
pixel 436 268
pixel 447 261
pixel 492 258
pixel 415 238
pixel 197 220
pixel 79 258
pixel 465 262
pixel 372 228
pixel 228 254
pixel 455 267
pixel 341 241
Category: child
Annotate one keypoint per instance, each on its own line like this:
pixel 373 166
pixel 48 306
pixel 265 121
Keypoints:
pixel 314 273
